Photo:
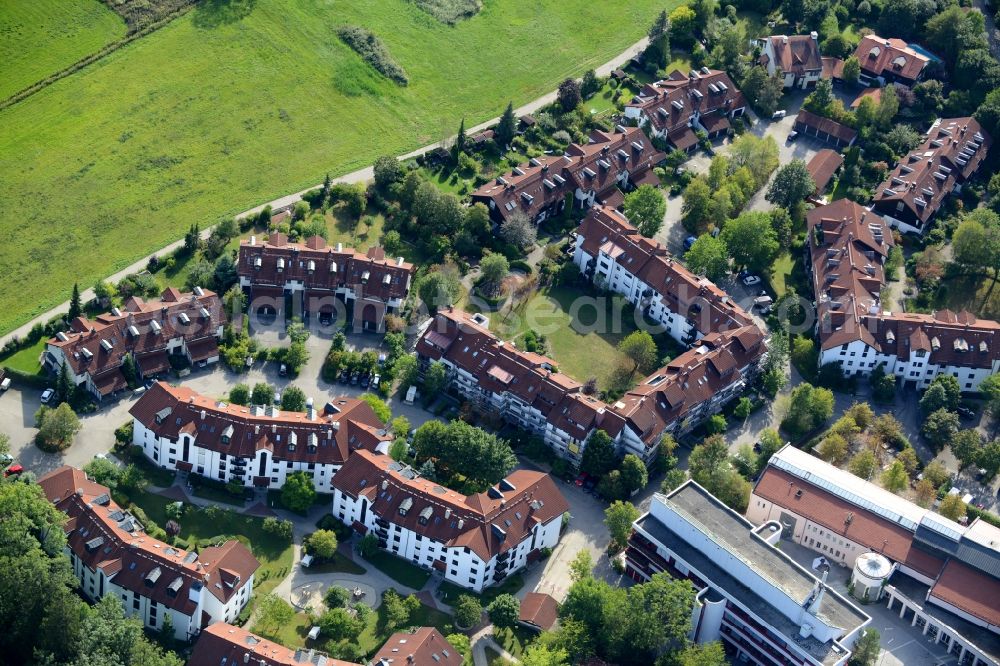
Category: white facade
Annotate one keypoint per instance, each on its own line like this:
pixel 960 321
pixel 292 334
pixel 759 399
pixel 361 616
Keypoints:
pixel 789 79
pixel 462 566
pixel 222 467
pixel 858 358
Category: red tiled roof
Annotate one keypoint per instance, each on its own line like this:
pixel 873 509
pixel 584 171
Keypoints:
pixel 539 610
pixel 833 68
pixel 669 104
pixel 874 93
pixel 447 516
pixel 223 643
pixel 424 647
pixel 969 590
pixel 825 125
pixel 889 57
pixel 865 528
pixel 822 166
pixel 326 438
pixel 796 54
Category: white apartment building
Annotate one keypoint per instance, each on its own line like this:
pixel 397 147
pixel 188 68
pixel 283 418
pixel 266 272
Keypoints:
pixel 111 554
pixel 474 541
pixel 179 429
pixel 763 606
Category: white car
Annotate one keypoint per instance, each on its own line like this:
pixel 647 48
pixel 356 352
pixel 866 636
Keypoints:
pixel 778 115
pixel 47 395
pixel 751 280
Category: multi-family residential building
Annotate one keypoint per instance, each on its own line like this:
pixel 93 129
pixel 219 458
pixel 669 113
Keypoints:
pixel 257 446
pixel 187 326
pixel 889 61
pixel 796 59
pixel 678 106
pixel 223 644
pixel 597 172
pixel 825 129
pixel 757 600
pixel 315 279
pixel 111 554
pixel 951 154
pixel 424 645
pixel 953 567
pixel 848 246
pixel 474 541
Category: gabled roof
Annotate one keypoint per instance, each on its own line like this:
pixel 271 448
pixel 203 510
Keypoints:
pixel 425 645
pixel 796 54
pixel 826 126
pixel 670 103
pixel 225 644
pixel 889 57
pixel 822 166
pixel 539 610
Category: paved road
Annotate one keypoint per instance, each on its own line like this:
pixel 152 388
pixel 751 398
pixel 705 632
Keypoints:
pixel 359 176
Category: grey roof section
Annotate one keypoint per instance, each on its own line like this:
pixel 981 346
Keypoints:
pixel 733 533
pixel 965 550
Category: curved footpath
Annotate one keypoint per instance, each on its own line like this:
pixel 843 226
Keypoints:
pixel 287 201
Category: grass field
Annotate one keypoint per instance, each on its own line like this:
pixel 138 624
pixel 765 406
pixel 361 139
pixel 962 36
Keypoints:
pixel 211 115
pixel 41 37
pixel 399 569
pixel 26 360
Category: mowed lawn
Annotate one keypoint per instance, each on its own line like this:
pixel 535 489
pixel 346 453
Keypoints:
pixel 214 114
pixel 41 37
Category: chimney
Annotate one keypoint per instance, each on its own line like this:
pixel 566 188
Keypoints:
pixel 784 39
pixel 814 35
pixel 203 415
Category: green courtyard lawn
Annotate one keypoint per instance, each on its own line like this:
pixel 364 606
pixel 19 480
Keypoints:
pixel 514 640
pixel 449 592
pixel 399 570
pixel 42 37
pixel 339 564
pixel 127 153
pixel 781 273
pixel 26 360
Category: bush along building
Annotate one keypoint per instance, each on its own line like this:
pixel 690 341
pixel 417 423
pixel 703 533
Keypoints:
pixel 255 446
pixel 474 541
pixel 847 248
pixel 598 172
pixel 179 329
pixel 526 389
pixel 678 106
pixel 312 279
pixel 950 155
pixel 945 576
pixel 111 554
pixel 750 595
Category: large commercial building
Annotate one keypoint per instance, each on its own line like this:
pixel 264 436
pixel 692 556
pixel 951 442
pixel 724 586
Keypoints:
pixel 829 510
pixel 111 554
pixel 848 246
pixel 950 155
pixel 313 279
pixel 186 326
pixel 474 541
pixel 179 429
pixel 599 172
pixel 682 104
pixel 760 603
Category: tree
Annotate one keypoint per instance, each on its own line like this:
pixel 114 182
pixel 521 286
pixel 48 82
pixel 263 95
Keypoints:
pixel 708 256
pixel 75 306
pixel 461 448
pixel 940 427
pixel 400 426
pixel 493 269
pixel 833 449
pixel 64 384
pixel 863 464
pixel 809 407
pixel 382 411
pixel 791 185
pixel 618 518
pixel 504 611
pixel 262 394
pixel 298 493
pixel 640 348
pixel 273 612
pixel 852 70
pixel 435 379
pixel 438 288
pixel 925 492
pixel 293 399
pixel 751 240
pixel 793 10
pixel 966 445
pixel 239 394
pixel 866 648
pixel 368 545
pixel 338 624
pixel 518 230
pixel 703 654
pixel 888 106
pixel 504 132
pixel 710 466
pixel 989 458
pixel 590 85
pixel 598 455
pixel 634 473
pixel 763 91
pixel 988 113
pixel 569 96
pixel 387 170
pixel 645 208
pixel 581 566
pixel 697 204
pixel 537 654
pixel 936 474
pixel 682 26
pixel 56 427
pixel 460 142
pixel 468 611
pixel 658 50
pixel 953 507
pixel 908 457
pixel 321 544
pixel 895 478
pixel 883 385
pixel 770 443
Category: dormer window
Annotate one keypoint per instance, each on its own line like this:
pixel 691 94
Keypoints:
pixel 107 345
pixel 333 266
pixel 256 263
pixel 281 264
pixel 184 319
pixel 405 506
pixel 293 439
pixel 227 434
pixel 365 276
pixel 311 266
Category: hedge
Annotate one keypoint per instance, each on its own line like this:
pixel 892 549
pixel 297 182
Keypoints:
pixel 519 265
pixel 35 381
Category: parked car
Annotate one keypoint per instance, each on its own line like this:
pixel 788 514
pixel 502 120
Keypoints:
pixel 688 242
pixel 751 280
pixel 355 376
pixel 345 376
pixel 581 478
pixel 762 302
pixel 375 381
pixel 5 384
pixel 6 459
pixel 282 370
pixel 202 364
pixel 365 380
pixel 966 413
pixel 47 396
pixel 277 398
pixel 742 274
pixel 778 115
pixel 590 484
pixel 13 470
pixel 793 135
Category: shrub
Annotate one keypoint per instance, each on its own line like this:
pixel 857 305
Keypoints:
pixel 372 51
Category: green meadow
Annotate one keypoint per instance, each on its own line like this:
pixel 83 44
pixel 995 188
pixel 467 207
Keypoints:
pixel 239 102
